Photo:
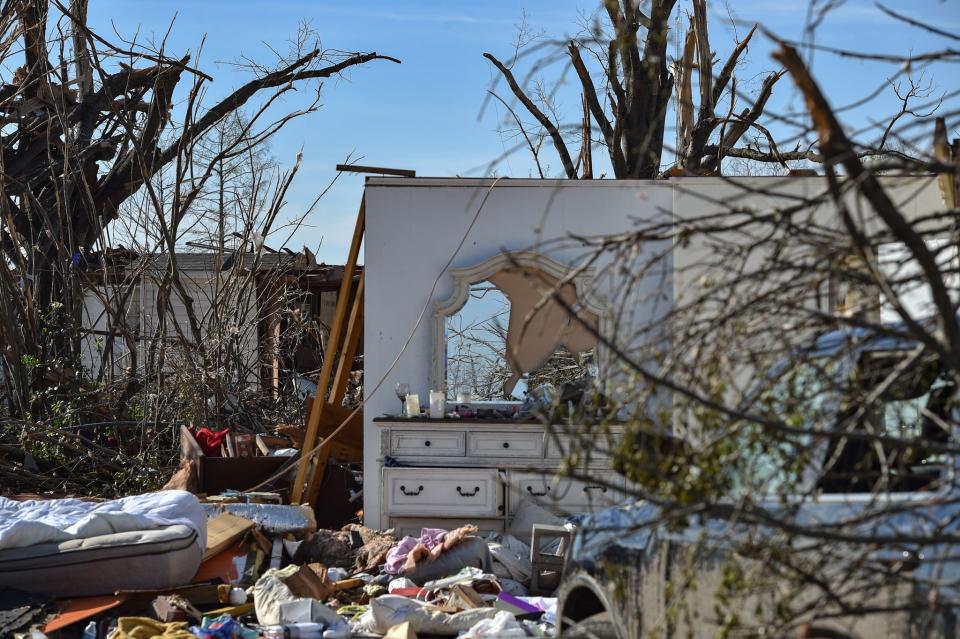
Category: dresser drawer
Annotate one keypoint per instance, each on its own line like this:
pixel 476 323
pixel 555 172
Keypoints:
pixel 428 443
pixel 442 492
pixel 505 444
pixel 568 496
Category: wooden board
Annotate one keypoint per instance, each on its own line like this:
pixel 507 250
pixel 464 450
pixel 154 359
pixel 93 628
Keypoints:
pixel 81 608
pixel 223 531
pixel 339 339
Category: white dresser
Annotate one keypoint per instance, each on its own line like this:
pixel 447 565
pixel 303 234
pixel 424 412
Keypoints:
pixel 451 472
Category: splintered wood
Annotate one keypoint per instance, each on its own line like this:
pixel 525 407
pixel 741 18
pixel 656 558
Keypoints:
pixel 223 531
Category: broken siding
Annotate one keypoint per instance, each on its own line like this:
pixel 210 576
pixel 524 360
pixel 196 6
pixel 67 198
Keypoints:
pixel 232 321
pixel 95 345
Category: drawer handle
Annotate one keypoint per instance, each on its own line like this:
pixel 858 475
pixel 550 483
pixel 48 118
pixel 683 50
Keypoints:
pixel 602 489
pixel 537 493
pixel 506 444
pixel 427 443
pixel 476 489
pixel 412 493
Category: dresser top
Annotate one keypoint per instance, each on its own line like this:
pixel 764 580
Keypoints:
pixel 396 419
pixel 474 423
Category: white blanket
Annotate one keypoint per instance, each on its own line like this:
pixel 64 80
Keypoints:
pixel 29 523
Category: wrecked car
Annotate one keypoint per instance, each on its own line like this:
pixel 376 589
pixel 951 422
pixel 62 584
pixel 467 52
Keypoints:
pixel 863 544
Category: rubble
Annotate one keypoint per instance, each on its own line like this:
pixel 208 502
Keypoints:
pixel 267 571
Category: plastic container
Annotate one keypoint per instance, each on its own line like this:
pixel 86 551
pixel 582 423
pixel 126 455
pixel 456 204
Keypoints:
pixel 294 631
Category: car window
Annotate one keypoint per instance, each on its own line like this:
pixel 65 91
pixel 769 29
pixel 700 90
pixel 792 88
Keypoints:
pixel 912 411
pixel 827 395
pixel 800 394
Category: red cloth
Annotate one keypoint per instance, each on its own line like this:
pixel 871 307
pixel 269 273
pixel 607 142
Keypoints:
pixel 209 440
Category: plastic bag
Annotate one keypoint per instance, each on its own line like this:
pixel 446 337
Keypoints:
pixel 387 611
pixel 503 625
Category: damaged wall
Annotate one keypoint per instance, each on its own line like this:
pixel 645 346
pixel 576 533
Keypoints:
pixel 415 225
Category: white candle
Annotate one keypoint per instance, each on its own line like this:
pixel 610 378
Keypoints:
pixel 413 405
pixel 438 404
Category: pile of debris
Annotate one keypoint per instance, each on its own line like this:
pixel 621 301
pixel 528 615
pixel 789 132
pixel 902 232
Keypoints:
pixel 244 566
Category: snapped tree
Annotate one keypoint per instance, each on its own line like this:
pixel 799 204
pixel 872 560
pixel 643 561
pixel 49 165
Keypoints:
pixel 627 87
pixel 87 124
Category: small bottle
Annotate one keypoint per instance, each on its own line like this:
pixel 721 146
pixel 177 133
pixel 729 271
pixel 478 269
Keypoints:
pixel 303 630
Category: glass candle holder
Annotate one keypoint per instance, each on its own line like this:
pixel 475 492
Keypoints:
pixel 438 404
pixel 413 405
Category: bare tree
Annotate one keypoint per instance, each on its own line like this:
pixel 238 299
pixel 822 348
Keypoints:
pixel 791 428
pixel 108 143
pixel 627 85
pixel 96 126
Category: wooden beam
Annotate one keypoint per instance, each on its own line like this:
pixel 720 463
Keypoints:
pixel 351 342
pixel 333 344
pixel 357 168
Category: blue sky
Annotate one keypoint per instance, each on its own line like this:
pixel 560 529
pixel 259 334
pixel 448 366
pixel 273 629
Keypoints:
pixel 423 114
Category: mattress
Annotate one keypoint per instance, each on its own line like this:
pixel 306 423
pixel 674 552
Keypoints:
pixel 38 521
pixel 131 560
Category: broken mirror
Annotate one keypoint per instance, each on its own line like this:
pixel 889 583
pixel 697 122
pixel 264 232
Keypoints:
pixel 477 358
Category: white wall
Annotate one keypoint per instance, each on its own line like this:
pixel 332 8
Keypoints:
pixel 699 197
pixel 414 225
pixel 413 228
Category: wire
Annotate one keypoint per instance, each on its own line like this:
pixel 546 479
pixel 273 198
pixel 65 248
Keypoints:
pixel 423 311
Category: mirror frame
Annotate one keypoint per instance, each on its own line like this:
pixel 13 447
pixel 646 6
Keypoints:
pixel 463 277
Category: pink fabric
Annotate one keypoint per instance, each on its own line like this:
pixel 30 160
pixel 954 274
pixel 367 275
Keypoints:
pixel 397 556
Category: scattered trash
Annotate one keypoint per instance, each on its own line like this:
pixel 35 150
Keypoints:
pixel 267 572
pixel 414 551
pixel 337 574
pixel 270 591
pixel 19 609
pixel 515 605
pixel 329 547
pixel 400 583
pixel 308 611
pixel 401 631
pixel 294 631
pixel 511 557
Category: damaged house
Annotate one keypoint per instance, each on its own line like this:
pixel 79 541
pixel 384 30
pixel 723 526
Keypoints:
pixel 265 316
pixel 481 306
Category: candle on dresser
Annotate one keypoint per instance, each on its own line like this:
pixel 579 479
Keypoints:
pixel 413 405
pixel 438 404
